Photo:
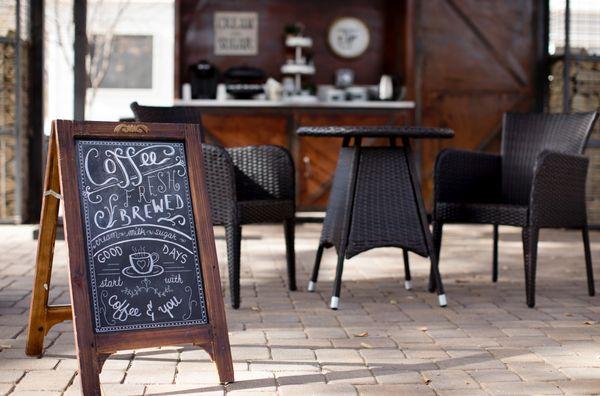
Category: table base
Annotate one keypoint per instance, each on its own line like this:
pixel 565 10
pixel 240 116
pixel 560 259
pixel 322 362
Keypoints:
pixel 375 202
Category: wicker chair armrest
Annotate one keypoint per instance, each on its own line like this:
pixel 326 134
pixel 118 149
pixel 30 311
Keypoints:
pixel 557 197
pixel 220 182
pixel 263 172
pixel 468 176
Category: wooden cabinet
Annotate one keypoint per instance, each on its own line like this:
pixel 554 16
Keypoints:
pixel 236 129
pixel 315 158
pixel 315 164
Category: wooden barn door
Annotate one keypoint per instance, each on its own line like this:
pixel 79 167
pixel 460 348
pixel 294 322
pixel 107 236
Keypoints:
pixel 476 60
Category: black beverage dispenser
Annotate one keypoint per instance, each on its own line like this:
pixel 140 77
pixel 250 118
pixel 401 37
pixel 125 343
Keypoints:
pixel 204 78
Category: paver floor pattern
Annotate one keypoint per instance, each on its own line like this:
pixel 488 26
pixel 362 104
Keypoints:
pixel 383 339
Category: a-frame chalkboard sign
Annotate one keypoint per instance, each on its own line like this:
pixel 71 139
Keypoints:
pixel 142 261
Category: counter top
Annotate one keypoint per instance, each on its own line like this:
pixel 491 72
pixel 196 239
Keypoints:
pixel 236 103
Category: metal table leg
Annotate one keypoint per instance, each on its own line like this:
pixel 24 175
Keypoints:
pixel 424 223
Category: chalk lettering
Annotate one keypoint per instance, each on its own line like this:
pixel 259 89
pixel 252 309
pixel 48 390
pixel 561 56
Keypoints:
pixel 174 279
pixel 139 233
pixel 175 253
pixel 123 310
pixel 111 282
pixel 149 310
pixel 109 253
pixel 169 305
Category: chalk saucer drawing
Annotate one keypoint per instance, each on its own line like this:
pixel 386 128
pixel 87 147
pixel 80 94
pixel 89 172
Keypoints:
pixel 129 271
pixel 143 265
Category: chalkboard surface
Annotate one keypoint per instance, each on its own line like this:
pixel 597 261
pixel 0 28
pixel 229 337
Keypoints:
pixel 142 257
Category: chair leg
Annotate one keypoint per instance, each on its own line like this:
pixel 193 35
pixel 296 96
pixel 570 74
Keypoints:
pixel 438 280
pixel 233 234
pixel 588 261
pixel 530 242
pixel 312 284
pixel 495 255
pixel 437 245
pixel 337 283
pixel 407 277
pixel 289 228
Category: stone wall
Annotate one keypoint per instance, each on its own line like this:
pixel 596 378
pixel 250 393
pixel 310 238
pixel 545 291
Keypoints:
pixel 585 96
pixel 9 211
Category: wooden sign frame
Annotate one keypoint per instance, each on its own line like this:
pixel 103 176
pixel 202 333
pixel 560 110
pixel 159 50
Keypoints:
pixel 94 348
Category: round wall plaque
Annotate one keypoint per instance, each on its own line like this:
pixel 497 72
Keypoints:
pixel 348 37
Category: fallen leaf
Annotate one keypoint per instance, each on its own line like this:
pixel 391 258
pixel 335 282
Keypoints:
pixel 423 328
pixel 255 308
pixel 5 346
pixel 365 345
pixel 393 302
pixel 461 281
pixel 361 334
pixel 426 380
pixel 589 322
pixel 568 314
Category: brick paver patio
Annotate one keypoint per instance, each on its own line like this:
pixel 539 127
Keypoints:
pixel 383 340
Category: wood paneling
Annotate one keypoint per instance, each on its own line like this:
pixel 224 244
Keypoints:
pixel 477 60
pixel 316 163
pixel 244 129
pixel 385 19
pixel 317 157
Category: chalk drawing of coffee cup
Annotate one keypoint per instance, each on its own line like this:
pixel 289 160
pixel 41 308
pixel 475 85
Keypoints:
pixel 143 264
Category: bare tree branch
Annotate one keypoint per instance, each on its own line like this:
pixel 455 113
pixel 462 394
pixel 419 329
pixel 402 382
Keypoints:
pixel 103 54
pixel 101 43
pixel 59 33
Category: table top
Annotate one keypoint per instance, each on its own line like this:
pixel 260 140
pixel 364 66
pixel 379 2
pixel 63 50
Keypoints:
pixel 376 131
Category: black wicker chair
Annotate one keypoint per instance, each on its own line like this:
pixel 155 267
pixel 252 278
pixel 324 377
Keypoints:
pixel 246 185
pixel 537 181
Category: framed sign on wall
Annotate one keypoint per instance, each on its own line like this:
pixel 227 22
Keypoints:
pixel 348 37
pixel 236 33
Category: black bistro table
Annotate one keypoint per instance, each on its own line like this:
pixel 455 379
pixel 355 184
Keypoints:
pixel 376 199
